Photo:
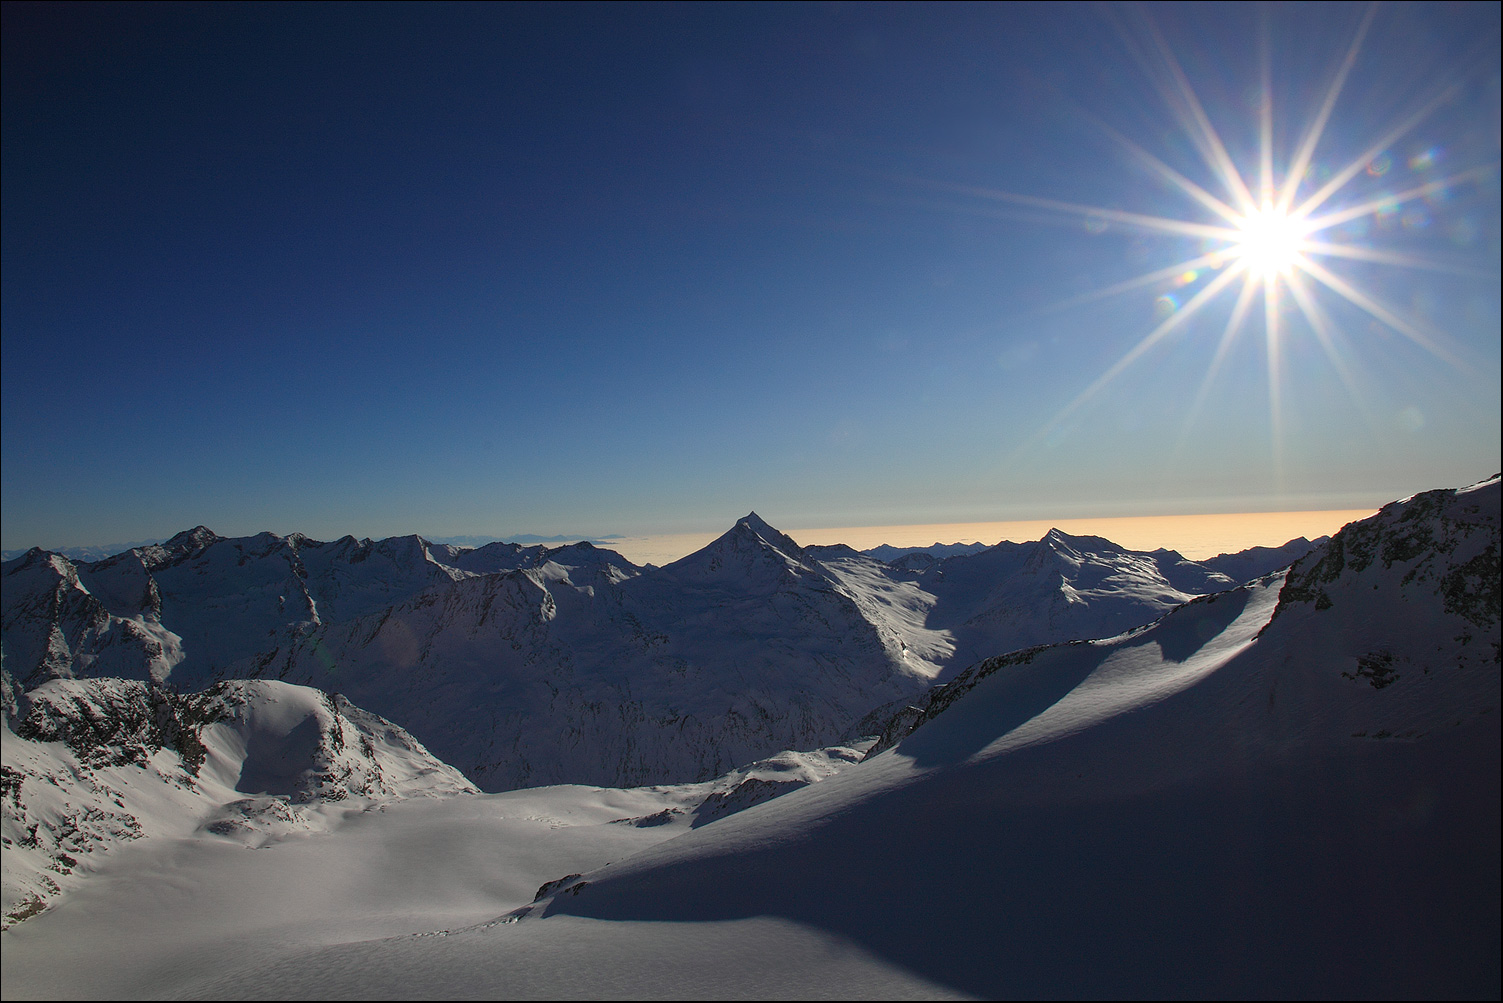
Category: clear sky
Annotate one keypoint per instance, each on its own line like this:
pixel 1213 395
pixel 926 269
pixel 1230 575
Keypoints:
pixel 640 269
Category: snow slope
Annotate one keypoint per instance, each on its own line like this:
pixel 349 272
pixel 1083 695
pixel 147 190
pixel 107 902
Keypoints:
pixel 1289 788
pixel 92 764
pixel 185 914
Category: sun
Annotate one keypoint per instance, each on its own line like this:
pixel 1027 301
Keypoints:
pixel 1269 242
pixel 1264 233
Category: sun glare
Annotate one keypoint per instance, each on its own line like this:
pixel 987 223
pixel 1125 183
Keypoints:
pixel 1270 241
pixel 1276 243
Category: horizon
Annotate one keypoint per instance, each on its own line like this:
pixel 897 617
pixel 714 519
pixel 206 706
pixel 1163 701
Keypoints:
pixel 380 268
pixel 1194 536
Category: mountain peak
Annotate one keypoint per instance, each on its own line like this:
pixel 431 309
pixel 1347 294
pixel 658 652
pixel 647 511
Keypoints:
pixel 32 557
pixel 1060 542
pixel 759 526
pixel 1059 538
pixel 755 521
pixel 192 539
pixel 750 543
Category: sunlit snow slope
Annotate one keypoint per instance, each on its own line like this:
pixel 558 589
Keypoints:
pixel 1289 788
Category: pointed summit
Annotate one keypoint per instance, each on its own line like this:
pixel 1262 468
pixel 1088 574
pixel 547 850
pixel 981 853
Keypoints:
pixel 767 533
pixel 1059 537
pixel 749 550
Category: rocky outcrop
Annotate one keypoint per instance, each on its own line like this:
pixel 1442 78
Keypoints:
pixel 90 764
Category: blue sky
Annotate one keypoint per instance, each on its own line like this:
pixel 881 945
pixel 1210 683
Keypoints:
pixel 634 269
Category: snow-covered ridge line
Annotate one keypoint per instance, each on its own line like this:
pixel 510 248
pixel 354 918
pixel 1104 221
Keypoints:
pixel 537 665
pixel 936 551
pixel 1445 542
pixel 1435 533
pixel 192 606
pixel 1252 777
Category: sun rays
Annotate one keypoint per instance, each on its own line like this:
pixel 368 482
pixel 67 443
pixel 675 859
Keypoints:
pixel 1268 232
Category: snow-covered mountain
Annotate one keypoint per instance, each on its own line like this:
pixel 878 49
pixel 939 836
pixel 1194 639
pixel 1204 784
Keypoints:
pixel 1058 588
pixel 96 553
pixel 1255 562
pixel 1289 788
pixel 577 673
pixel 921 556
pixel 529 665
pixel 191 607
pixel 91 764
pixel 584 672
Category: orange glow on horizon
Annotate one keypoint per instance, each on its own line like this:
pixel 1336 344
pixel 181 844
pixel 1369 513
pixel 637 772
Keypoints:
pixel 1194 536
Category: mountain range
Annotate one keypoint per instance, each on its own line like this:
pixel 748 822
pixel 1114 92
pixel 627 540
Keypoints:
pixel 528 665
pixel 1288 786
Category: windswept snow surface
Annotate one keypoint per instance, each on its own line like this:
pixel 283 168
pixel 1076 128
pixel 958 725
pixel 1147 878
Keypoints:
pixel 1287 789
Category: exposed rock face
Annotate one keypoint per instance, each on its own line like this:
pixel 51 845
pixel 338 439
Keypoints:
pixel 118 722
pixel 1444 543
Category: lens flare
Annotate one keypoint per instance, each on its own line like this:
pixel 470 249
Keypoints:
pixel 1274 246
